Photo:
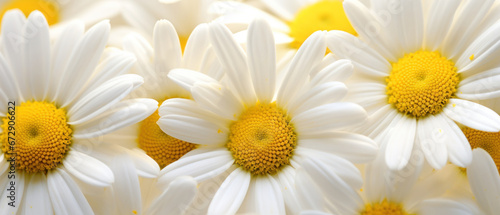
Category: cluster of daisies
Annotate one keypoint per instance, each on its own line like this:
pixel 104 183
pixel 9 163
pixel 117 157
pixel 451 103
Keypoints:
pixel 220 107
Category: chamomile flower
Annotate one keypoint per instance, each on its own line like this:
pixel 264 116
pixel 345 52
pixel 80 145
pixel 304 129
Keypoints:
pixel 146 138
pixel 292 22
pixel 259 133
pixel 484 179
pixel 392 192
pixel 418 68
pixel 60 96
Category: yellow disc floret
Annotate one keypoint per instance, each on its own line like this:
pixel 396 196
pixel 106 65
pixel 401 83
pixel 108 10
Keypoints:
pixel 49 8
pixel 42 136
pixel 262 140
pixel 489 141
pixel 421 83
pixel 384 208
pixel 163 148
pixel 323 15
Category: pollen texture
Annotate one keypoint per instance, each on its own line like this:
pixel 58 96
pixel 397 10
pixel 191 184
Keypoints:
pixel 49 8
pixel 384 208
pixel 322 15
pixel 489 141
pixel 262 140
pixel 421 83
pixel 42 136
pixel 163 148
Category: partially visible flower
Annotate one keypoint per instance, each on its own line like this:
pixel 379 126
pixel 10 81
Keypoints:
pixel 61 96
pixel 484 180
pixel 418 72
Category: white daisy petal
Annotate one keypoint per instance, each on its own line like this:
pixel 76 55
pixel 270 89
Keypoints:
pixel 201 166
pixel 484 181
pixel 145 166
pixel 443 206
pixel 339 70
pixel 12 39
pixel 37 201
pixel 188 78
pixel 127 188
pixel 217 98
pixel 308 56
pixel 469 17
pixel 176 198
pixel 8 87
pixel 353 147
pixel 400 145
pixel 231 193
pixel 196 47
pixel 473 115
pixel 137 44
pixel 370 95
pixel 364 58
pixel 269 199
pixel 412 25
pixel 439 21
pixel 37 53
pixel 367 26
pixel 167 49
pixel 481 86
pixel 65 195
pixel 262 59
pixel 180 117
pixel 118 116
pixel 102 98
pixel 329 116
pixel 309 194
pixel 322 94
pixel 19 186
pixel 335 189
pixel 237 14
pixel 286 180
pixel 116 63
pixel 483 49
pixel 340 166
pixel 83 61
pixel 286 9
pixel 429 136
pixel 88 169
pixel 459 150
pixel 233 58
pixel 61 52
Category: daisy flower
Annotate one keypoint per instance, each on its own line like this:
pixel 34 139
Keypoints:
pixel 259 132
pixel 154 64
pixel 418 66
pixel 56 97
pixel 292 22
pixel 484 180
pixel 388 191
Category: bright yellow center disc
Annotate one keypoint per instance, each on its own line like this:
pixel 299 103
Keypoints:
pixel 262 140
pixel 163 148
pixel 421 83
pixel 384 208
pixel 323 15
pixel 489 141
pixel 42 136
pixel 49 8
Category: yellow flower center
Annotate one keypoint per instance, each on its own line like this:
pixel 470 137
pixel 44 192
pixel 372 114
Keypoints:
pixel 489 141
pixel 49 8
pixel 421 83
pixel 42 136
pixel 384 208
pixel 183 41
pixel 323 15
pixel 262 140
pixel 163 148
